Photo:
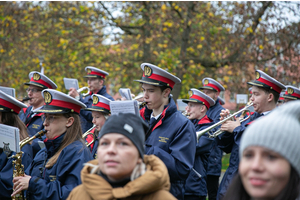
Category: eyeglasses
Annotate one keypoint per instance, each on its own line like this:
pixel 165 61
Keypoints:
pixel 49 118
pixel 33 90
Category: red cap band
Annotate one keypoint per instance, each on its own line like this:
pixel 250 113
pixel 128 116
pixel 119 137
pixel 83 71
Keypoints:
pixel 274 87
pixel 102 105
pixel 97 73
pixel 40 81
pixel 293 95
pixel 161 78
pixel 10 105
pixel 201 99
pixel 213 86
pixel 64 104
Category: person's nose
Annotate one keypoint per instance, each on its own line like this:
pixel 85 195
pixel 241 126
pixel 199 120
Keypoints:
pixel 111 148
pixel 257 163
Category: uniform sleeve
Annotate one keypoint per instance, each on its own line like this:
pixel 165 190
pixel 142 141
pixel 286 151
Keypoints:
pixel 67 177
pixel 204 145
pixel 181 158
pixel 6 173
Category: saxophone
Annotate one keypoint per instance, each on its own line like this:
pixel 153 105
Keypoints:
pixel 18 167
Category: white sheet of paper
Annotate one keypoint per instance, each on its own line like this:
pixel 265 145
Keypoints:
pixel 125 92
pixel 130 106
pixel 9 91
pixel 71 83
pixel 10 136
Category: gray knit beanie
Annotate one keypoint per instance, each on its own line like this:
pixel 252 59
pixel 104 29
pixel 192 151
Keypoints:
pixel 129 125
pixel 279 131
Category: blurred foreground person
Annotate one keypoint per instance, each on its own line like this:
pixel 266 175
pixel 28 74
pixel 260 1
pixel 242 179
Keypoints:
pixel 269 153
pixel 122 171
pixel 100 112
pixel 9 110
pixel 55 170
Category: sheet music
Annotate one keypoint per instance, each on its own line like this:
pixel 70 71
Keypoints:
pixel 130 106
pixel 71 83
pixel 125 92
pixel 10 136
pixel 9 91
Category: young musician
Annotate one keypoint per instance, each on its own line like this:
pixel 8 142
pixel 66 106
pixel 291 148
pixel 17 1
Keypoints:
pixel 100 112
pixel 122 171
pixel 29 116
pixel 9 110
pixel 265 94
pixel 212 88
pixel 96 83
pixel 198 104
pixel 171 136
pixel 55 170
pixel 269 154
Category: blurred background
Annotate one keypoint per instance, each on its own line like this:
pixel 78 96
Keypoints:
pixel 226 41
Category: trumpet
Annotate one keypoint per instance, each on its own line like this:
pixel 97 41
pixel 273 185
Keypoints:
pixel 88 132
pixel 219 132
pixel 18 167
pixel 186 114
pixel 83 89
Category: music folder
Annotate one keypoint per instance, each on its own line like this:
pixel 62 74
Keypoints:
pixel 125 92
pixel 128 106
pixel 9 138
pixel 71 83
pixel 9 91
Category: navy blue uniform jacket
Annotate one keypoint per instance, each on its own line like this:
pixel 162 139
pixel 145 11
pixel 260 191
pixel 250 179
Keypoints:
pixel 196 182
pixel 34 125
pixel 230 143
pixel 173 140
pixel 58 181
pixel 215 157
pixel 85 115
pixel 6 171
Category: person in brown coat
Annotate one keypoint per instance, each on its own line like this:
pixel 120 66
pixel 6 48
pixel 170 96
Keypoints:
pixel 122 171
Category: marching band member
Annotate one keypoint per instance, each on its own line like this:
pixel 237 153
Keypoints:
pixel 269 154
pixel 96 83
pixel 291 93
pixel 55 170
pixel 33 120
pixel 198 104
pixel 212 88
pixel 9 110
pixel 171 136
pixel 265 94
pixel 100 112
pixel 122 171
pixel 280 101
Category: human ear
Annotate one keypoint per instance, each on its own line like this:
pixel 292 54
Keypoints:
pixel 69 122
pixel 270 97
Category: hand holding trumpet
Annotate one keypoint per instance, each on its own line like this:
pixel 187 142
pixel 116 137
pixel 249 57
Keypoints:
pixel 230 124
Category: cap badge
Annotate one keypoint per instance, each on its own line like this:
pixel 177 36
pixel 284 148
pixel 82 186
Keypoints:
pixel 47 97
pixel 148 71
pixel 257 74
pixel 95 100
pixel 190 93
pixel 36 76
pixel 89 71
pixel 290 90
pixel 206 81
